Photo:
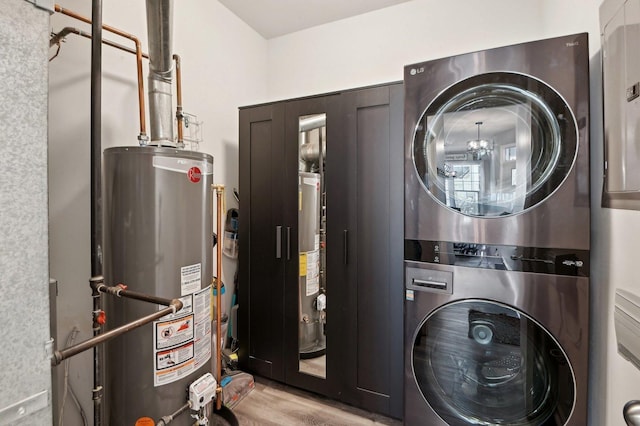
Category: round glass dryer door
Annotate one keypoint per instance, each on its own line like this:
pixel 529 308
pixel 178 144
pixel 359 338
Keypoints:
pixel 495 144
pixel 482 363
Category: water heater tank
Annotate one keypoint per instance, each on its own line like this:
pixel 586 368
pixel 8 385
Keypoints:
pixel 157 240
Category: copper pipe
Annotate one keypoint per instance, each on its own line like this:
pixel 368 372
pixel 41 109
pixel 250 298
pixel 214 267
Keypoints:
pixel 179 114
pixel 58 38
pixel 143 138
pixel 219 200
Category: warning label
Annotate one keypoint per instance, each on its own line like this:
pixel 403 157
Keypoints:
pixel 175 356
pixel 313 272
pixel 303 264
pixel 172 374
pixel 174 332
pixel 190 278
pixel 182 344
pixel 202 338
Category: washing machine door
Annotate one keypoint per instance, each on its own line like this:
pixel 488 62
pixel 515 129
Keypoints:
pixel 495 144
pixel 483 363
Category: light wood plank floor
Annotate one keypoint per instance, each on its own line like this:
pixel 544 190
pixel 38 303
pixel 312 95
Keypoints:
pixel 274 404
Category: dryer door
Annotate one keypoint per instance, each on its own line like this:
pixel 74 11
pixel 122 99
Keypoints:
pixel 481 362
pixel 495 144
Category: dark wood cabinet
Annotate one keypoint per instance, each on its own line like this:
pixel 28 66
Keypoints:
pixel 260 274
pixel 363 192
pixel 373 294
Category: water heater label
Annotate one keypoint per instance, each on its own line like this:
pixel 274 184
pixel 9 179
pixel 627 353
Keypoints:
pixel 182 344
pixel 175 332
pixel 202 337
pixel 313 272
pixel 303 264
pixel 190 278
pixel 173 357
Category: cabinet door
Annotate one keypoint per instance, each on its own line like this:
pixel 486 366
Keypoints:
pixel 310 333
pixel 371 291
pixel 261 234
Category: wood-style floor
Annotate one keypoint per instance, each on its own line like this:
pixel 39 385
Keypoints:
pixel 274 404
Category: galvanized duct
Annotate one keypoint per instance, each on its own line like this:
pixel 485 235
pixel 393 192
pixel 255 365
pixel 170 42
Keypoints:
pixel 159 31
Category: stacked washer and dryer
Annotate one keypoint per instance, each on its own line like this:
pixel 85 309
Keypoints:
pixel 497 236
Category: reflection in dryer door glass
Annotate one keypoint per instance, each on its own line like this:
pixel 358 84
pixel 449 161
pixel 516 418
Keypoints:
pixel 479 362
pixel 495 144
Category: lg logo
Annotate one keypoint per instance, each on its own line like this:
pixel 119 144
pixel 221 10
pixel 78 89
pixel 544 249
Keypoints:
pixel 415 71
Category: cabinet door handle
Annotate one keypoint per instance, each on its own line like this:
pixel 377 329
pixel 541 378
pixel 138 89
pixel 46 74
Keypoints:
pixel 288 243
pixel 278 242
pixel 346 246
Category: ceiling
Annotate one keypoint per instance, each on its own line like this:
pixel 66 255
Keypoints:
pixel 273 18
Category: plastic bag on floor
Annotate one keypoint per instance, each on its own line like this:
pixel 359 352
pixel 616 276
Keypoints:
pixel 235 387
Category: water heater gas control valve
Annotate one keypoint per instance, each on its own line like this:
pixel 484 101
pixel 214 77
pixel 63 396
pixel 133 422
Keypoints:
pixel 202 391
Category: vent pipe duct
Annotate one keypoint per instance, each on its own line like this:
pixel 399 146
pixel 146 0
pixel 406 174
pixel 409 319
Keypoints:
pixel 159 31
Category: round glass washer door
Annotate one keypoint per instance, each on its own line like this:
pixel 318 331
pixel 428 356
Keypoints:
pixel 495 144
pixel 479 362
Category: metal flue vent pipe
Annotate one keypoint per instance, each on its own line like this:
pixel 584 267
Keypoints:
pixel 159 31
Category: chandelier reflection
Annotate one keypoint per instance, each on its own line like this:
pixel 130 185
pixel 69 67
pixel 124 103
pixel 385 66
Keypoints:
pixel 478 147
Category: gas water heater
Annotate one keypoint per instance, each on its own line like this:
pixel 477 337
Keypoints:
pixel 157 240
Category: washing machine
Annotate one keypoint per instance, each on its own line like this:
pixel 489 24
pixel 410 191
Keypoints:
pixel 489 346
pixel 497 236
pixel 497 148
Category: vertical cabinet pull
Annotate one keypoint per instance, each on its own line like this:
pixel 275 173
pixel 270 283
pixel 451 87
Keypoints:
pixel 288 243
pixel 278 242
pixel 346 246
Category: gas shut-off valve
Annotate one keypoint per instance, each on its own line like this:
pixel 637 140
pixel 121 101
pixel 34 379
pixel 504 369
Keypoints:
pixel 201 393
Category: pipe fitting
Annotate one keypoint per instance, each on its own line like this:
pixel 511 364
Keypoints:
pixel 98 279
pixel 165 420
pixel 176 304
pixel 56 358
pixel 143 139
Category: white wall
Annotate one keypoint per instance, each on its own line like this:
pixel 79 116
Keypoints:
pixel 222 61
pixel 373 48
